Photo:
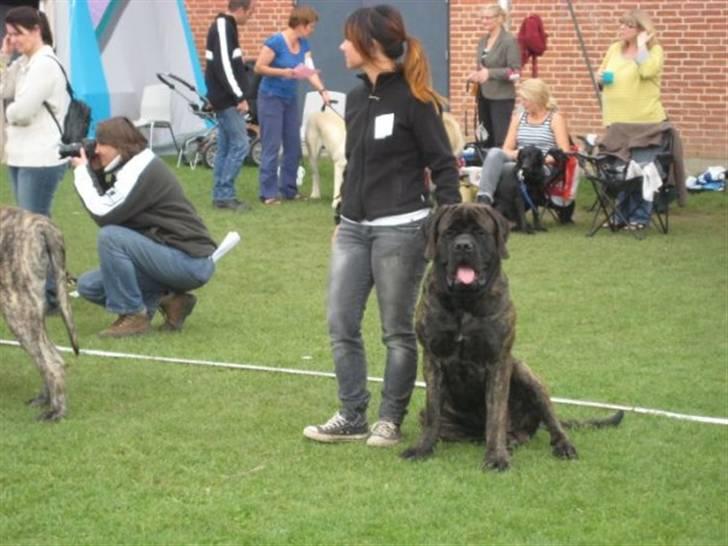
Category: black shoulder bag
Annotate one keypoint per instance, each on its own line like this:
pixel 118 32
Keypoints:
pixel 78 117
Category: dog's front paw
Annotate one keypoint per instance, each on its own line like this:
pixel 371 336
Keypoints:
pixel 52 416
pixel 416 453
pixel 564 449
pixel 41 400
pixel 497 460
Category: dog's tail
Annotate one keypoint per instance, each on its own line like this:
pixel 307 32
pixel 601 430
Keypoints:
pixel 57 256
pixel 611 421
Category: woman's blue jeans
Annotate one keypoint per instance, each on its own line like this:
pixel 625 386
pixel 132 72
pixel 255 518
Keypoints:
pixel 279 125
pixel 135 271
pixel 34 188
pixel 392 260
pixel 232 149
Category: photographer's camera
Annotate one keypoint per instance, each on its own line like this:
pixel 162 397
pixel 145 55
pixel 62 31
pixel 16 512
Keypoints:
pixel 74 148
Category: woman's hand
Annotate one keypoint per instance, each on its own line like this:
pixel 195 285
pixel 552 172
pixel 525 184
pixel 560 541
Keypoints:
pixel 7 47
pixel 81 160
pixel 288 73
pixel 643 38
pixel 479 76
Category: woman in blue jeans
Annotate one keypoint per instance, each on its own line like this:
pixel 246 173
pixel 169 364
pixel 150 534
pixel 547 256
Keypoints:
pixel 284 58
pixel 394 131
pixel 153 247
pixel 37 88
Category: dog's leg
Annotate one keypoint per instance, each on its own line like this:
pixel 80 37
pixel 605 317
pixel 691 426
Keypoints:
pixel 433 408
pixel 496 422
pixel 339 167
pixel 28 326
pixel 313 145
pixel 562 446
pixel 521 223
pixel 537 218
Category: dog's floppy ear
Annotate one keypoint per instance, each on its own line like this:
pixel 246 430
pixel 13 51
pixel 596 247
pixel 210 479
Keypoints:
pixel 502 230
pixel 432 227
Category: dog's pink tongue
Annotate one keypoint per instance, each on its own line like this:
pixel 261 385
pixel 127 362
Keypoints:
pixel 465 275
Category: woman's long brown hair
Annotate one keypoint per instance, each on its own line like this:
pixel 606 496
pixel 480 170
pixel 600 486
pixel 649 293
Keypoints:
pixel 384 25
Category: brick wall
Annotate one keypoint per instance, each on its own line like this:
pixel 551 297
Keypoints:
pixel 694 84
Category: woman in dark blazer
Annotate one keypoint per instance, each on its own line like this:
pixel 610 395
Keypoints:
pixel 499 65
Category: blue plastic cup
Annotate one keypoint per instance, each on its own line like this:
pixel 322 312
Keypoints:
pixel 607 77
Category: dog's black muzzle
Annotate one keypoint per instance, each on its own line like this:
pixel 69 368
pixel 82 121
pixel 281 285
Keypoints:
pixel 464 271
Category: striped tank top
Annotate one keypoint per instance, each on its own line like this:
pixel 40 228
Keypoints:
pixel 540 135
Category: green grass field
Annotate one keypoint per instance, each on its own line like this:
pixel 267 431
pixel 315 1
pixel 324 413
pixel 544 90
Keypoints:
pixel 159 453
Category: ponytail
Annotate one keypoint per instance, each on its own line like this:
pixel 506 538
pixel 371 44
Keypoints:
pixel 416 70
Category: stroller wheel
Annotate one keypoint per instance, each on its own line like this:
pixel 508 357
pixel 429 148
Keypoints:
pixel 208 154
pixel 255 153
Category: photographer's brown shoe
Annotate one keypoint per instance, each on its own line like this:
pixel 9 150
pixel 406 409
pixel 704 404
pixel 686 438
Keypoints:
pixel 176 308
pixel 128 325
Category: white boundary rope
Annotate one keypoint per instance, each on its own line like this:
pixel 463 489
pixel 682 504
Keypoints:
pixel 293 371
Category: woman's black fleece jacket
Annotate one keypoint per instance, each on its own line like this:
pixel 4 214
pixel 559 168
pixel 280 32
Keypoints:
pixel 385 172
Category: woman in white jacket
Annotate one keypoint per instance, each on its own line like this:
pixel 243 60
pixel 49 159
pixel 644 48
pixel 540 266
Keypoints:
pixel 32 136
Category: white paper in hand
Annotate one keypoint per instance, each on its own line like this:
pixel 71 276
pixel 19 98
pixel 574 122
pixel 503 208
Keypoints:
pixel 231 239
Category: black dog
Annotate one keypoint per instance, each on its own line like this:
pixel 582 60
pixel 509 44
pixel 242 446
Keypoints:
pixel 465 322
pixel 526 189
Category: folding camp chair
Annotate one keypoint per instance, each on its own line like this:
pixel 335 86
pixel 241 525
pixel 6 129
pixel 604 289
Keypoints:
pixel 612 179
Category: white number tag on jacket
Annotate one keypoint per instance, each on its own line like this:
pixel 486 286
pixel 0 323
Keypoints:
pixel 383 126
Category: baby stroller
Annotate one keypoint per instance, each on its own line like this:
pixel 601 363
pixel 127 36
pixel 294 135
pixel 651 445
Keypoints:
pixel 201 148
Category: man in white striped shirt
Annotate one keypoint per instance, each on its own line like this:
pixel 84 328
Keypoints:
pixel 225 79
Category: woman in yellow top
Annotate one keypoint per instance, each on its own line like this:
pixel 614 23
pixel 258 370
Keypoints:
pixel 630 75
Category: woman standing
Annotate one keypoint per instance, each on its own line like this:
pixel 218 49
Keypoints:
pixel 32 136
pixel 499 62
pixel 631 76
pixel 394 131
pixel 35 84
pixel 284 58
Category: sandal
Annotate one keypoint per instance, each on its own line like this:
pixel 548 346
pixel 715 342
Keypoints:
pixel 614 225
pixel 271 201
pixel 634 226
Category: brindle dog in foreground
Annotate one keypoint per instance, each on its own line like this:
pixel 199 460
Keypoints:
pixel 31 246
pixel 465 322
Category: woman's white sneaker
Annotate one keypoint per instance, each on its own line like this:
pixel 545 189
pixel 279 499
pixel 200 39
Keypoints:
pixel 384 434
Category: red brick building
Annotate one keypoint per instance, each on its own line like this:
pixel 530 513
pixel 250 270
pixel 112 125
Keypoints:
pixel 693 34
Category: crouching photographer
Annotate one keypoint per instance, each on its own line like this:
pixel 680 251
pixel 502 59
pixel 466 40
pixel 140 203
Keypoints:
pixel 153 247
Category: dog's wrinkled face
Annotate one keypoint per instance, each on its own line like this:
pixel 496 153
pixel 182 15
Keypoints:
pixel 467 243
pixel 530 164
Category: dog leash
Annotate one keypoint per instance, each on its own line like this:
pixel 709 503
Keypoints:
pixel 333 101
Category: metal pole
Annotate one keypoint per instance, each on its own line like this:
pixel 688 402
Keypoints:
pixel 597 92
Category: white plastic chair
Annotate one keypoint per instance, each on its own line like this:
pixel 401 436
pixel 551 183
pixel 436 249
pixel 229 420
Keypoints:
pixel 156 111
pixel 313 103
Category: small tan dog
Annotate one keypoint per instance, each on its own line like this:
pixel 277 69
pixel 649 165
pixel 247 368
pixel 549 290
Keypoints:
pixel 326 130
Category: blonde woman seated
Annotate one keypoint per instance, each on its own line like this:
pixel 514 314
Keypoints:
pixel 536 123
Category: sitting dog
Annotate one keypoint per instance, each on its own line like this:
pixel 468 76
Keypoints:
pixel 326 130
pixel 510 199
pixel 465 322
pixel 30 246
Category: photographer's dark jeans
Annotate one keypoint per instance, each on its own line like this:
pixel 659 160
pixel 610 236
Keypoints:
pixel 135 270
pixel 392 260
pixel 34 188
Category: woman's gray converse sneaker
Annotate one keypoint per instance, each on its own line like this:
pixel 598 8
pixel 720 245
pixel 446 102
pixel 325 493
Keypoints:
pixel 384 434
pixel 338 429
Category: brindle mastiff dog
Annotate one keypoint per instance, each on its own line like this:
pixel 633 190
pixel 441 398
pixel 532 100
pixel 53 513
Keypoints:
pixel 465 321
pixel 30 244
